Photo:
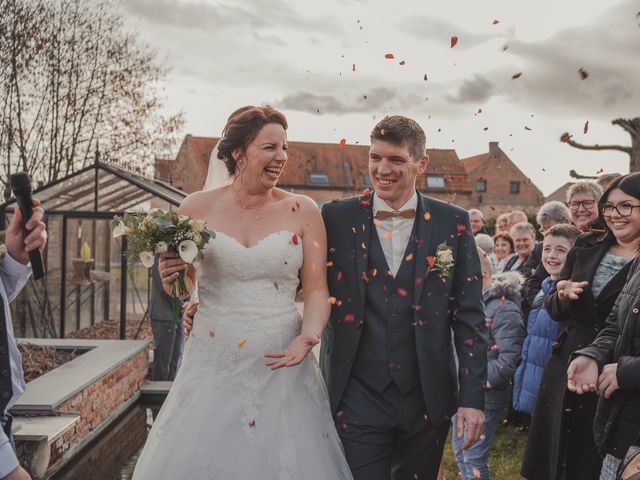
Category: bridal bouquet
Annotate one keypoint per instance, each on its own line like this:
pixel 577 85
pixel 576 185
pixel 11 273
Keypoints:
pixel 159 231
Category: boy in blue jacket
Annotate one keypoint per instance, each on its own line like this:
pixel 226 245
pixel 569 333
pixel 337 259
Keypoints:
pixel 542 330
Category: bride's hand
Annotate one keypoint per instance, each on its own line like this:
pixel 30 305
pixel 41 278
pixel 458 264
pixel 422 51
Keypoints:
pixel 294 353
pixel 169 267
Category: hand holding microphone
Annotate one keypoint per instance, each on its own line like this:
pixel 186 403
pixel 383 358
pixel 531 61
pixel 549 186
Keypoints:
pixel 26 233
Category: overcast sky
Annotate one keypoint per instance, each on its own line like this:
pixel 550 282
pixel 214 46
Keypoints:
pixel 323 64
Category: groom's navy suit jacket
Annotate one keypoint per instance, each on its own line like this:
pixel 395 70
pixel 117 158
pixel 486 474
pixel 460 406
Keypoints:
pixel 441 307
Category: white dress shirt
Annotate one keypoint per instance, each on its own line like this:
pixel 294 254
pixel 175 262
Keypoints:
pixel 394 233
pixel 13 276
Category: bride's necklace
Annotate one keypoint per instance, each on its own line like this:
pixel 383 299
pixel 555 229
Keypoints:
pixel 247 207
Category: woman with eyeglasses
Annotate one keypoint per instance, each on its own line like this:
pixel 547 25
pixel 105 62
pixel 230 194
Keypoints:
pixel 582 200
pixel 560 443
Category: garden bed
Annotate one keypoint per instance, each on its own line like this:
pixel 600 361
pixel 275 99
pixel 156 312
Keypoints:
pixel 40 359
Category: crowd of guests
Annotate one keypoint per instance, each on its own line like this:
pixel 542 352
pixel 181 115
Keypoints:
pixel 564 325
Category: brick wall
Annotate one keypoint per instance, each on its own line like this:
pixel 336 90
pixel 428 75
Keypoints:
pixel 99 400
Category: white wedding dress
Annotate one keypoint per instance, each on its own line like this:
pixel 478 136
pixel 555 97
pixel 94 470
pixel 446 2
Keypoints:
pixel 227 415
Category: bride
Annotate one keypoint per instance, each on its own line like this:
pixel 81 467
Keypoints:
pixel 249 401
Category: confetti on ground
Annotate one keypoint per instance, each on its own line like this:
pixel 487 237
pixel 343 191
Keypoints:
pixel 454 41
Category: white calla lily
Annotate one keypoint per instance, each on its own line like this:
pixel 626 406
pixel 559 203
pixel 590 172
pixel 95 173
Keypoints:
pixel 147 259
pixel 188 250
pixel 119 230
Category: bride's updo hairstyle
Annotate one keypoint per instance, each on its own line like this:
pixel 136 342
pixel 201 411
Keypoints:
pixel 242 128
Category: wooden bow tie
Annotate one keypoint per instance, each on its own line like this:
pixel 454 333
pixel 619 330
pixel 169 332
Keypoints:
pixel 387 215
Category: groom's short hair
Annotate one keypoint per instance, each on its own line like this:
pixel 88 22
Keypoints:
pixel 401 131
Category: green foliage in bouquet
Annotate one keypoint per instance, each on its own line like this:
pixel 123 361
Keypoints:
pixel 159 231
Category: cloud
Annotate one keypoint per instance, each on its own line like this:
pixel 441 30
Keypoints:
pixel 440 31
pixel 610 53
pixel 377 100
pixel 272 15
pixel 476 90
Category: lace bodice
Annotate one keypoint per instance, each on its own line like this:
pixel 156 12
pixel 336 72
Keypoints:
pixel 247 298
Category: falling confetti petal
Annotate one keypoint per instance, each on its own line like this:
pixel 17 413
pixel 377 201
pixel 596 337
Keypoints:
pixel 252 424
pixel 565 137
pixel 431 261
pixel 242 343
pixel 294 239
pixel 402 292
pixel 409 257
pixel 297 204
pixel 427 216
pixel 343 142
pixel 586 127
pixel 454 41
pixel 349 317
pixel 402 62
pixel 332 300
pixel 389 56
pixel 366 192
pixel 354 67
pixel 583 73
pixel 425 77
pixel 527 128
pixel 516 75
pixel 495 22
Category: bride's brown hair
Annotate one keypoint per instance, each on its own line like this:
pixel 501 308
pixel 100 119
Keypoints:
pixel 242 128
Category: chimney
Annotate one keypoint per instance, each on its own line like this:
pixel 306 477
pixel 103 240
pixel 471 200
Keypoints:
pixel 493 147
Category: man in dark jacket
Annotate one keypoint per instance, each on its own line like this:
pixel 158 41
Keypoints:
pixel 405 275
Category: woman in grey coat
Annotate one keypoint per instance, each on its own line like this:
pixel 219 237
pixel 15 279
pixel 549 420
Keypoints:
pixel 506 329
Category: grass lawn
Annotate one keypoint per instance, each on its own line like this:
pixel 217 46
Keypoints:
pixel 505 456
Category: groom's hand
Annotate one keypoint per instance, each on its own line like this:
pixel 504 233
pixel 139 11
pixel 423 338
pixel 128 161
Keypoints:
pixel 474 420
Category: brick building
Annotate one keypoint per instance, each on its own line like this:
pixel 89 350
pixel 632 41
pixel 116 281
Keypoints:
pixel 323 171
pixel 499 185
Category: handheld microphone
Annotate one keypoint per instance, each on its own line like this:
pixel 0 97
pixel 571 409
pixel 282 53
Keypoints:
pixel 21 187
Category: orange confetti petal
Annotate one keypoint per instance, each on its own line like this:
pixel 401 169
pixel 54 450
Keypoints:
pixel 409 257
pixel 242 343
pixel 332 300
pixel 329 264
pixel 427 216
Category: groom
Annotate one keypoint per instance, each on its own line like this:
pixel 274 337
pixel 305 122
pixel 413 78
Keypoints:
pixel 404 278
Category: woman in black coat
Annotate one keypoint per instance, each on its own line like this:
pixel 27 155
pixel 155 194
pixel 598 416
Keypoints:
pixel 616 353
pixel 560 443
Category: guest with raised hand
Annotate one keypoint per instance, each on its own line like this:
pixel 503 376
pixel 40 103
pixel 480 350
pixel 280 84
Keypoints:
pixel 550 214
pixel 611 366
pixel 582 200
pixel 560 441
